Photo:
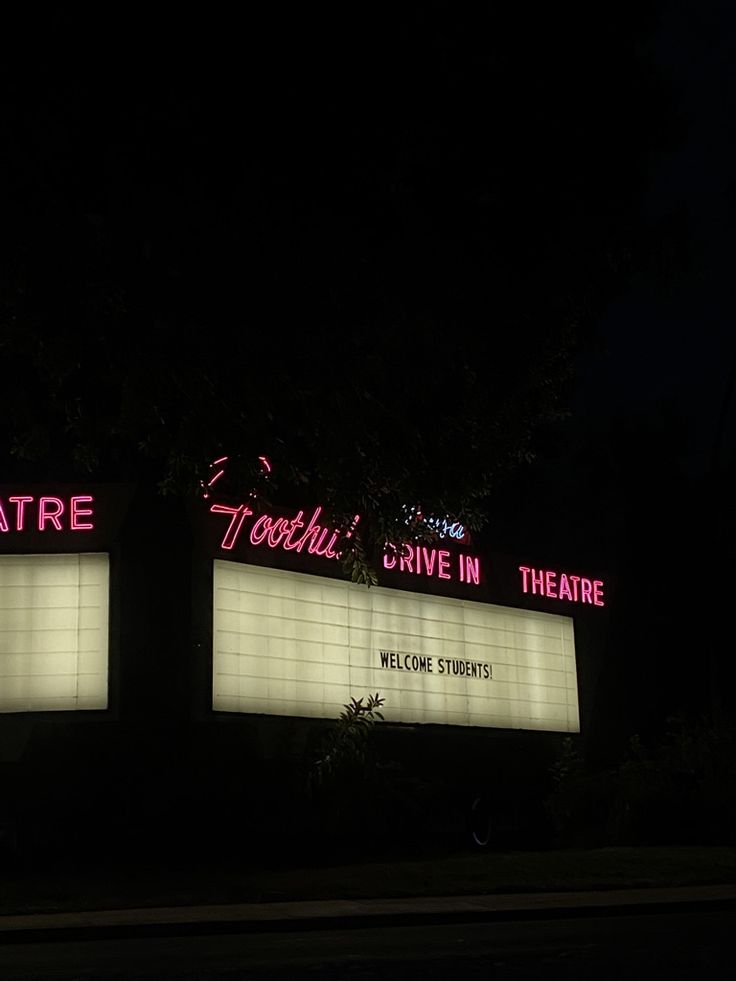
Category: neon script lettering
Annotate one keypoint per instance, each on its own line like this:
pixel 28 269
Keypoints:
pixel 561 586
pixel 441 526
pixel 22 512
pixel 295 534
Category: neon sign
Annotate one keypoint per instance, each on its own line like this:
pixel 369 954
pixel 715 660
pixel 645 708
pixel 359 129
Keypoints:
pixel 218 466
pixel 561 586
pixel 441 526
pixel 311 535
pixel 420 560
pixel 23 512
pixel 275 532
pixel 286 533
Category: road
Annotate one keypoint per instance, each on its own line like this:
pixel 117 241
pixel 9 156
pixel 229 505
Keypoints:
pixel 680 944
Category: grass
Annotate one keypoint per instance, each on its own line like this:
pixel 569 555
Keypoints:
pixel 604 868
pixel 108 885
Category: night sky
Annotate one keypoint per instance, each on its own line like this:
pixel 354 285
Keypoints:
pixel 238 150
pixel 664 382
pixel 676 346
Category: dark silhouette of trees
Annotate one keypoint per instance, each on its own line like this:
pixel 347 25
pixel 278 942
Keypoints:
pixel 369 247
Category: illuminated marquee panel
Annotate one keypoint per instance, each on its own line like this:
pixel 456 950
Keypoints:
pixel 285 643
pixel 53 632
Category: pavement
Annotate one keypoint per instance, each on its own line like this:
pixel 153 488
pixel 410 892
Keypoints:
pixel 345 914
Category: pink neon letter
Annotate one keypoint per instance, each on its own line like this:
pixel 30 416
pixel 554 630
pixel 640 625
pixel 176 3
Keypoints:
pixel 429 559
pixel 260 529
pixel 236 522
pixel 598 592
pixel 329 552
pixel 575 580
pixel 20 503
pixel 317 545
pixel 564 587
pixel 49 509
pixel 389 561
pixel 550 584
pixel 444 562
pixel 586 588
pixel 279 530
pixel 472 569
pixel 406 558
pixel 524 570
pixel 3 519
pixel 295 523
pixel 77 512
pixel 537 582
pixel 313 530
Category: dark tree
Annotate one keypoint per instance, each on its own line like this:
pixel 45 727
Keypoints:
pixel 368 246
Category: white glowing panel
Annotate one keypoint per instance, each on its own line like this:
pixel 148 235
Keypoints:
pixel 53 632
pixel 291 644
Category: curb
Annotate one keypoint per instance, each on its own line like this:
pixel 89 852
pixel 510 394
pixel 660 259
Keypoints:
pixel 355 914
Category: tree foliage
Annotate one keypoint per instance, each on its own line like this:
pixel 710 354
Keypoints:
pixel 345 753
pixel 679 787
pixel 371 250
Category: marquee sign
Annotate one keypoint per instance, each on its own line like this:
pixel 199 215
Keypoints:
pixel 287 643
pixel 54 632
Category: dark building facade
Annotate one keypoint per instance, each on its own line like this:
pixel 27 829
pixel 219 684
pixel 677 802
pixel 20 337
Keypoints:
pixel 168 669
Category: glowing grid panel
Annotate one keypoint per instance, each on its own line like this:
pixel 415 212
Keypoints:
pixel 285 643
pixel 53 632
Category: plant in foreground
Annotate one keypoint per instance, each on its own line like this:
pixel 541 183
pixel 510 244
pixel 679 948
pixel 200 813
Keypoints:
pixel 345 752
